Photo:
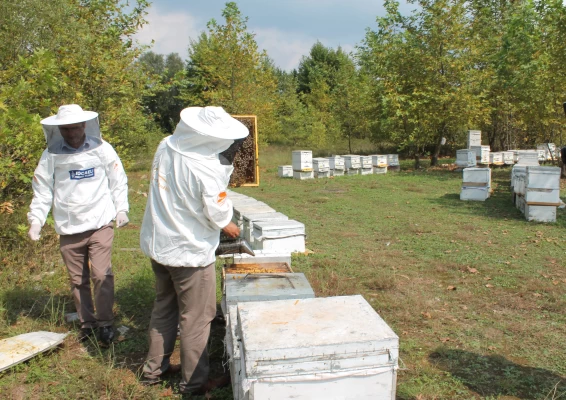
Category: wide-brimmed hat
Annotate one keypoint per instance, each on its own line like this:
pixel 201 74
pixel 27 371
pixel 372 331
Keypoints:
pixel 69 114
pixel 213 122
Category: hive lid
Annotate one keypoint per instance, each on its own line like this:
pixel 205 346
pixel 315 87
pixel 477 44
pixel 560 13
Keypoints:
pixel 269 286
pixel 278 228
pixel 269 216
pixel 254 208
pixel 311 330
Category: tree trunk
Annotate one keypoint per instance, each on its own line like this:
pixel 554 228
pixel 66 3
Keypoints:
pixel 350 142
pixel 434 157
pixel 417 160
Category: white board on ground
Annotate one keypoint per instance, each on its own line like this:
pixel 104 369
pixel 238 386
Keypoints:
pixel 20 348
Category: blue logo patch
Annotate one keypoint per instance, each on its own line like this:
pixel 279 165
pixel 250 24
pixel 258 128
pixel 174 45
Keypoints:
pixel 82 174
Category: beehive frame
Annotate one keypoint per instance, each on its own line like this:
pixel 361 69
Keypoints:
pixel 246 162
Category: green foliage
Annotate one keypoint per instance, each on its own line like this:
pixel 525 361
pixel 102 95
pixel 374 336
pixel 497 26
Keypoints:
pixel 62 52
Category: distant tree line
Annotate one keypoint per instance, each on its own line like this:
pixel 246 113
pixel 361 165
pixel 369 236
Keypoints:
pixel 446 67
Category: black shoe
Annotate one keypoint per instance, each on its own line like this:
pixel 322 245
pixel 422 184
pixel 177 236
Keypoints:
pixel 85 334
pixel 106 335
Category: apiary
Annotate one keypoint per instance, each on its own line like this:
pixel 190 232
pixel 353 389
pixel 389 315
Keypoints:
pixel 527 157
pixel 496 158
pixel 474 138
pixel 315 349
pixel 482 154
pixel 379 160
pixel 465 158
pixel 302 160
pixel 253 208
pixel 279 236
pixel 352 161
pixel 302 175
pixel 508 158
pixel 250 218
pixel 476 185
pixel 285 171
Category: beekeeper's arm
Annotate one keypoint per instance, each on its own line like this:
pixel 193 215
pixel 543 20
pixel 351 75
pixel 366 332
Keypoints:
pixel 218 210
pixel 42 186
pixel 118 184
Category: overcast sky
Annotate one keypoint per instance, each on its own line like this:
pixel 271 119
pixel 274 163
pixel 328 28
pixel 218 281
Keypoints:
pixel 287 29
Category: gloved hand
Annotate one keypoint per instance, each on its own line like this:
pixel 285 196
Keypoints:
pixel 34 230
pixel 121 219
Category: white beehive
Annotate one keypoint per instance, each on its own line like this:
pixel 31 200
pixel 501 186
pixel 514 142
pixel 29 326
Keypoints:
pixel 262 257
pixel 496 158
pixel 465 158
pixel 244 201
pixel 393 160
pixel 320 165
pixel 474 138
pixel 517 170
pixel 302 160
pixel 366 171
pixel 321 175
pixel 508 158
pixel 527 157
pixel 541 155
pixel 285 171
pixel 539 213
pixel 316 349
pixel 379 170
pixel 476 184
pixel 542 186
pixel 250 218
pixel 279 236
pixel 352 171
pixel 379 160
pixel 515 155
pixel 352 161
pixel 336 172
pixel 256 208
pixel 366 161
pixel 302 175
pixel 336 162
pixel 482 154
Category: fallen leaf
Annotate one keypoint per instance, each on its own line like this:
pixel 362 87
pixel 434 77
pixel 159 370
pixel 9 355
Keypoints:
pixel 426 315
pixel 489 285
pixel 167 392
pixel 472 270
pixel 487 278
pixel 444 340
pixel 451 288
pixel 537 294
pixel 491 348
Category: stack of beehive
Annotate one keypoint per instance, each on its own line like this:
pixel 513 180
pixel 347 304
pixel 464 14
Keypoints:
pixel 321 167
pixel 537 192
pixel 295 355
pixel 352 164
pixel 379 162
pixel 476 184
pixel 474 138
pixel 336 164
pixel 366 165
pixel 302 164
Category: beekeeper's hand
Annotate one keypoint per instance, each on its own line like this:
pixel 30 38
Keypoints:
pixel 231 230
pixel 34 230
pixel 121 219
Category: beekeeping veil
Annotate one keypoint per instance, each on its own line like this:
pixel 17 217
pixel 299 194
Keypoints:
pixel 67 115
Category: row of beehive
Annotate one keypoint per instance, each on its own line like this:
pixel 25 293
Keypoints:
pixel 283 343
pixel 536 191
pixel 304 166
pixel 482 155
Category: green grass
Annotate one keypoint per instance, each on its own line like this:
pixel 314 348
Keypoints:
pixel 476 293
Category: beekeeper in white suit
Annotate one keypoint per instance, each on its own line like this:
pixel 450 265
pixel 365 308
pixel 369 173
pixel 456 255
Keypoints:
pixel 82 181
pixel 187 208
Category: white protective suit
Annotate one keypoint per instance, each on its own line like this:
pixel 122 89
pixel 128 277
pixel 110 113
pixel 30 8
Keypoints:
pixel 86 189
pixel 187 204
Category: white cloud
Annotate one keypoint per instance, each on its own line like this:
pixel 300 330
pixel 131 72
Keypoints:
pixel 170 31
pixel 285 48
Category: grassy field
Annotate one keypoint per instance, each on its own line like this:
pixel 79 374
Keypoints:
pixel 476 294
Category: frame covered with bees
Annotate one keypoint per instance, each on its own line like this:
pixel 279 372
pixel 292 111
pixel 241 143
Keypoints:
pixel 246 161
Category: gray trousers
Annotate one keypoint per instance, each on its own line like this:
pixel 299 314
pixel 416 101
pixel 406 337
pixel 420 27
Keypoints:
pixel 185 296
pixel 77 250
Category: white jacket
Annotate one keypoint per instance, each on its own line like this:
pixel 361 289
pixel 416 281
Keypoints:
pixel 187 204
pixel 85 190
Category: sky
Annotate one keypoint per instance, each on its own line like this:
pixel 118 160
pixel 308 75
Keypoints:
pixel 286 29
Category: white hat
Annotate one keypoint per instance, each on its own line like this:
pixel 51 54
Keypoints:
pixel 69 114
pixel 214 122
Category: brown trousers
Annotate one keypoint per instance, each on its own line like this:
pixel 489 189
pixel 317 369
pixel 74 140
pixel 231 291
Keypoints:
pixel 185 297
pixel 77 250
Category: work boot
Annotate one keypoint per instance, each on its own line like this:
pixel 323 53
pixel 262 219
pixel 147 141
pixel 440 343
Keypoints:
pixel 106 335
pixel 85 334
